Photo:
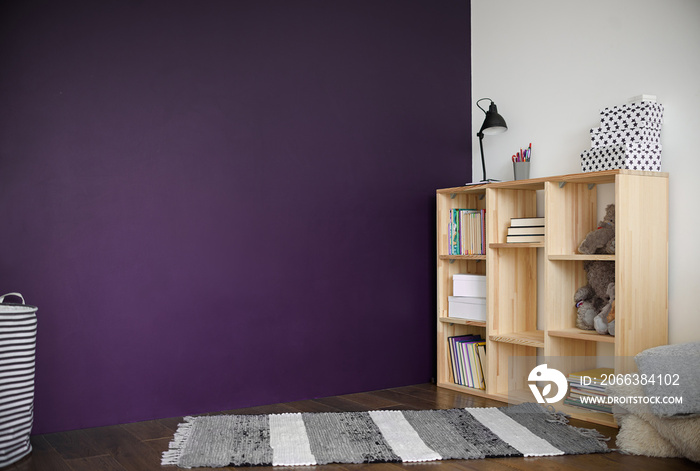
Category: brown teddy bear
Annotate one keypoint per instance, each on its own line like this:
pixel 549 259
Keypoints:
pixel 604 322
pixel 584 299
pixel 593 297
pixel 601 240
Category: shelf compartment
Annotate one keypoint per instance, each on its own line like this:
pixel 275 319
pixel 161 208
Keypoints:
pixel 462 257
pixel 448 329
pixel 457 320
pixel 578 334
pixel 516 245
pixel 533 338
pixel 580 256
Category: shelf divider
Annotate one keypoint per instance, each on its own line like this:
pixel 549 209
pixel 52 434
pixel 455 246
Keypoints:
pixel 534 338
pixel 578 334
pixel 462 257
pixel 515 245
pixel 457 320
pixel 580 256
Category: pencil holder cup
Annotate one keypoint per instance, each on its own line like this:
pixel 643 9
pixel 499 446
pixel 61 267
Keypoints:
pixel 521 170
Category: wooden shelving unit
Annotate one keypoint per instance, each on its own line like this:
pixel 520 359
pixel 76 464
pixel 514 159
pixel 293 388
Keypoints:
pixel 571 211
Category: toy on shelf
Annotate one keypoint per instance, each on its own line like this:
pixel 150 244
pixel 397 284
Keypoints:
pixel 594 297
pixel 601 240
pixel 595 302
pixel 604 322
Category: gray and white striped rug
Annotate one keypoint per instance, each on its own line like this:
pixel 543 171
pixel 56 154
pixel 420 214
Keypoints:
pixel 376 436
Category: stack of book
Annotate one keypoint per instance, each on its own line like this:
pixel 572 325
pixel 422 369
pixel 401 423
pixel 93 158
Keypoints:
pixel 468 356
pixel 467 232
pixel 525 230
pixel 587 384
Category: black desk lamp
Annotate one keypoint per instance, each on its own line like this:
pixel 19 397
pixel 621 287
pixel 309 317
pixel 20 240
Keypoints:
pixel 493 124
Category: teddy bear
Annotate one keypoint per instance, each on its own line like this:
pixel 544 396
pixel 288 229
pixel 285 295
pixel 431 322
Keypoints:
pixel 601 240
pixel 585 306
pixel 593 297
pixel 604 322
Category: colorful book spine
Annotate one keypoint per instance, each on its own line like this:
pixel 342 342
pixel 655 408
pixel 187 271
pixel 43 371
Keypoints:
pixel 454 232
pixel 481 356
pixel 467 232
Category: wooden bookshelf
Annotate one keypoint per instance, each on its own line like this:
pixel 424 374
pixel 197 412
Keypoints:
pixel 513 310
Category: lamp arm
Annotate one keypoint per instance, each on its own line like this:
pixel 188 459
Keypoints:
pixel 480 135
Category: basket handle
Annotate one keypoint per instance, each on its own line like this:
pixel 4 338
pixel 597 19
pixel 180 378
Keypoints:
pixel 2 298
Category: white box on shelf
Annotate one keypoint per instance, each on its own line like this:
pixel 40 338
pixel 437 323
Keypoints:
pixel 469 285
pixel 602 138
pixel 630 155
pixel 646 114
pixel 467 307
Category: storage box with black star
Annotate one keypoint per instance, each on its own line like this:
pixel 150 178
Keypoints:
pixel 629 155
pixel 629 137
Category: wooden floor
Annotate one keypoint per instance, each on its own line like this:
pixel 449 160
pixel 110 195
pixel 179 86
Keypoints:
pixel 138 446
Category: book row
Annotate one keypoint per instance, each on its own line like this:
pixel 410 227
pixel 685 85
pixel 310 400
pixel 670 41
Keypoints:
pixel 468 357
pixel 586 390
pixel 467 232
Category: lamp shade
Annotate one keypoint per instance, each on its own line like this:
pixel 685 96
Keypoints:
pixel 493 122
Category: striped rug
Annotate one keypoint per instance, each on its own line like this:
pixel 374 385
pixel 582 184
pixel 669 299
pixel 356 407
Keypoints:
pixel 376 436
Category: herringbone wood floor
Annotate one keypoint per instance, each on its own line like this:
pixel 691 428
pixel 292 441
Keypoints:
pixel 138 446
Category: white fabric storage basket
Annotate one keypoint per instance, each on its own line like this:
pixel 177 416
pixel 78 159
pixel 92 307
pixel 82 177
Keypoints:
pixel 17 359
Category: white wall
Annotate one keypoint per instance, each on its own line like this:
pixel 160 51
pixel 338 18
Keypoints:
pixel 551 65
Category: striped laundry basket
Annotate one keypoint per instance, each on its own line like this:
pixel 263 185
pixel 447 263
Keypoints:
pixel 17 358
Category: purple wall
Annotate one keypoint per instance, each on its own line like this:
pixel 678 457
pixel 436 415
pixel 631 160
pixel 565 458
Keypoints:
pixel 226 203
